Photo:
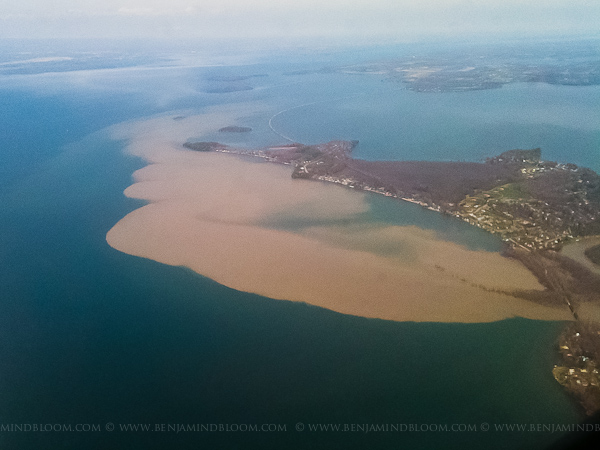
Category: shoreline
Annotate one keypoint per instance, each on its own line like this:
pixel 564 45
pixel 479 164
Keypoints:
pixel 569 277
pixel 199 218
pixel 575 250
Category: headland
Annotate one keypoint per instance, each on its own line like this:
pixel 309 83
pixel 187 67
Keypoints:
pixel 536 207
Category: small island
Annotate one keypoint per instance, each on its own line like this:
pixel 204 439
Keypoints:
pixel 233 78
pixel 228 88
pixel 235 129
pixel 535 206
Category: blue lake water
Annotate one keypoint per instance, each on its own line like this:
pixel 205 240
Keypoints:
pixel 393 124
pixel 91 335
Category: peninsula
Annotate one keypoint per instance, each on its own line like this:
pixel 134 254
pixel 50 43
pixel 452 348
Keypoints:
pixel 532 204
pixel 535 206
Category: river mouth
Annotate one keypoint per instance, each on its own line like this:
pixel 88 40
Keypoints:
pixel 576 251
pixel 207 211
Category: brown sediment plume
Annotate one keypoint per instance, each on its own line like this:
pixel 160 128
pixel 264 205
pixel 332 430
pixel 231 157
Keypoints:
pixel 207 211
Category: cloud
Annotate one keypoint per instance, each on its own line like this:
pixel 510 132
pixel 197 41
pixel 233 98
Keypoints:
pixel 246 18
pixel 137 12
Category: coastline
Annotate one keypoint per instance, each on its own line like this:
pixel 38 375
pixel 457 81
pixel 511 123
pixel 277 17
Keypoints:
pixel 204 212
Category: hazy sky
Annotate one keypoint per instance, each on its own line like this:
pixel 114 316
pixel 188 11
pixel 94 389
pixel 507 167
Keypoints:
pixel 400 19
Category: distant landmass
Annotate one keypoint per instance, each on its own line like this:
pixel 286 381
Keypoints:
pixel 224 84
pixel 232 78
pixel 577 64
pixel 443 75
